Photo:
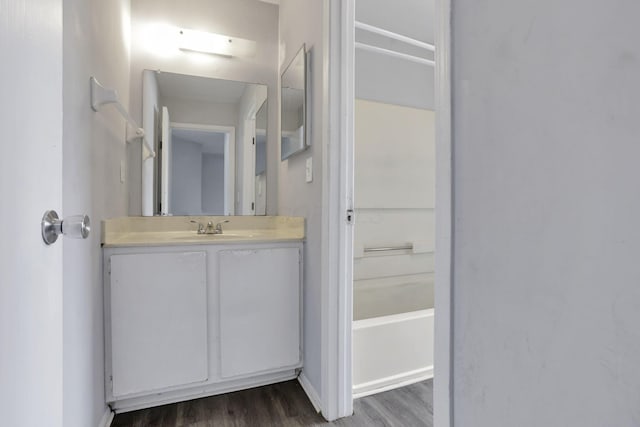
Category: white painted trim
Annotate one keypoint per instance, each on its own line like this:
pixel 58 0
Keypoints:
pixel 337 197
pixel 197 126
pixel 443 334
pixel 180 395
pixel 347 100
pixel 392 382
pixel 107 418
pixel 249 166
pixel 229 159
pixel 311 392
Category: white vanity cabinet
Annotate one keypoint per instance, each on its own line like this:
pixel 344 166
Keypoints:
pixel 185 321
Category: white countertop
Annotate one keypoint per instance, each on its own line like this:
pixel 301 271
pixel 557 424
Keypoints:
pixel 173 231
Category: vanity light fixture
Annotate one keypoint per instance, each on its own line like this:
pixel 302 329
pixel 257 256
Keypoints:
pixel 216 44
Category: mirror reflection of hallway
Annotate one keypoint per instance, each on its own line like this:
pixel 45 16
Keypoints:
pixel 199 160
pixel 224 120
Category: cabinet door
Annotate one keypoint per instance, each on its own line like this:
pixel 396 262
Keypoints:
pixel 259 310
pixel 158 321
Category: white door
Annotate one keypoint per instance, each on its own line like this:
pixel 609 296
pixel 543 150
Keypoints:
pixel 30 184
pixel 166 163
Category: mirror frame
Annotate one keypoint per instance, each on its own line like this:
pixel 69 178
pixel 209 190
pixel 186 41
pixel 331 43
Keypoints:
pixel 306 141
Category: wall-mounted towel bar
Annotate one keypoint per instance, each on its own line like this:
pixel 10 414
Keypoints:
pixel 101 96
pixel 408 247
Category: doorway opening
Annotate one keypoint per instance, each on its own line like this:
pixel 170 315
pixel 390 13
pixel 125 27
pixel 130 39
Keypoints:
pixel 198 169
pixel 392 237
pixel 394 196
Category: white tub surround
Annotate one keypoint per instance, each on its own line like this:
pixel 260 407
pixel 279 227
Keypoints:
pixel 392 333
pixel 408 354
pixel 394 252
pixel 189 315
pixel 176 230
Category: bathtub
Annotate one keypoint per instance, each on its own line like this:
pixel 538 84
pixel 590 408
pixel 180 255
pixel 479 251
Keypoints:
pixel 392 336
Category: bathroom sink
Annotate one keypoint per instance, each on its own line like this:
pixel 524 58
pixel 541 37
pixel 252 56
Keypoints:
pixel 192 235
pixel 225 235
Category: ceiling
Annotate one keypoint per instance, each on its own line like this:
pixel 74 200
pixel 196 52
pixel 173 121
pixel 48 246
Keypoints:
pixel 212 142
pixel 202 89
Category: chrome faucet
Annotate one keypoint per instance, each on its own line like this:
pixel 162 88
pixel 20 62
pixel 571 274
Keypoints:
pixel 210 228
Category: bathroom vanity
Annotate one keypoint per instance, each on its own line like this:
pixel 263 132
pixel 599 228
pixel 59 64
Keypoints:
pixel 189 315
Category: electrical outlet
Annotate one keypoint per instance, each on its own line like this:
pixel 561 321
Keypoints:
pixel 309 169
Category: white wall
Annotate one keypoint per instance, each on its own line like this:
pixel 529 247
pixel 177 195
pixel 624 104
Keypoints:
pixel 213 184
pixel 397 81
pixel 186 176
pixel 247 19
pixel 95 43
pixel 546 208
pixel 302 22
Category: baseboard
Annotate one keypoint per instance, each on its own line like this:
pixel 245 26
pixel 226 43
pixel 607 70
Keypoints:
pixel 392 382
pixel 196 392
pixel 311 392
pixel 107 418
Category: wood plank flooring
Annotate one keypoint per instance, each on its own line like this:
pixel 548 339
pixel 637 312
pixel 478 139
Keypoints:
pixel 286 405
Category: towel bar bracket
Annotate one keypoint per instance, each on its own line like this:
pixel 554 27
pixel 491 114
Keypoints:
pixel 101 95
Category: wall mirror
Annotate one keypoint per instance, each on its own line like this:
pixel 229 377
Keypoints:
pixel 210 137
pixel 293 123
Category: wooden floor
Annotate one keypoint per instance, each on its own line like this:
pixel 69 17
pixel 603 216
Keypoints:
pixel 286 405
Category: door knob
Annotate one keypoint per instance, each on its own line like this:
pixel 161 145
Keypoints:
pixel 76 226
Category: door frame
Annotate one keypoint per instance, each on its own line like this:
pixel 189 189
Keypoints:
pixel 337 242
pixel 229 158
pixel 443 348
pixel 337 304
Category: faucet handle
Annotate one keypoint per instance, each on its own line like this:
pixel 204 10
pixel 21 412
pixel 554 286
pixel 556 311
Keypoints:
pixel 200 226
pixel 219 226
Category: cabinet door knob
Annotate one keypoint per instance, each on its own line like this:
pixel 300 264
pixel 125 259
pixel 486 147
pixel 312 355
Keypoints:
pixel 76 226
